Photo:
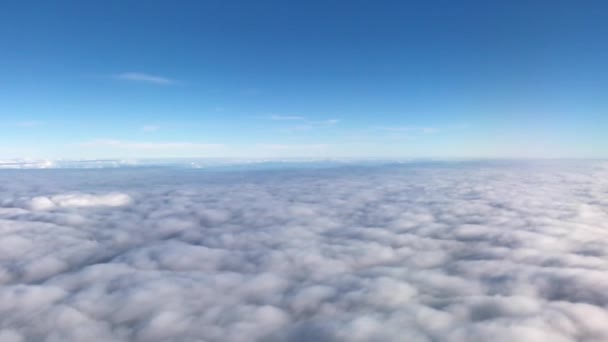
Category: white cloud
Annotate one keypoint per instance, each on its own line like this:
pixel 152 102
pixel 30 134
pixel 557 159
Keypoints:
pixel 501 251
pixel 79 200
pixel 145 78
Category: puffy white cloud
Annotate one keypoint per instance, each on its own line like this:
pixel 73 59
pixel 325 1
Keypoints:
pixel 79 200
pixel 420 252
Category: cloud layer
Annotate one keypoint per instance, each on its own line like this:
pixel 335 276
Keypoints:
pixel 427 252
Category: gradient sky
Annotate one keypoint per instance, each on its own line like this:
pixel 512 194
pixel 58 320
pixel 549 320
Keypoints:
pixel 104 79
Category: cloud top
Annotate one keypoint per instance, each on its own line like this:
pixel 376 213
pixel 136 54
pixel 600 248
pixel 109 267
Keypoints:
pixel 499 251
pixel 79 200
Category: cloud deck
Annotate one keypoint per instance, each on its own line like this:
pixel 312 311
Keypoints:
pixel 423 252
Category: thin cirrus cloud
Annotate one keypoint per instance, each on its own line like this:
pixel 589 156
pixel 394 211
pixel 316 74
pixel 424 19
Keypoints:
pixel 324 122
pixel 409 129
pixel 293 147
pixel 142 145
pixel 303 120
pixel 150 128
pixel 420 129
pixel 144 78
pixel 287 118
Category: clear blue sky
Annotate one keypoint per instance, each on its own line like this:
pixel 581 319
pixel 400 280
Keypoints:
pixel 101 79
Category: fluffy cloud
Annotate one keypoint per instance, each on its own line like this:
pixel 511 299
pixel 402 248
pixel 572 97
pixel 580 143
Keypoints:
pixel 420 252
pixel 79 200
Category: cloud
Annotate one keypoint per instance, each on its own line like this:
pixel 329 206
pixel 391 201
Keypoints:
pixel 421 129
pixel 409 129
pixel 287 118
pixel 134 150
pixel 150 128
pixel 140 145
pixel 144 78
pixel 79 200
pixel 504 251
pixel 301 123
pixel 293 147
pixel 304 120
pixel 328 122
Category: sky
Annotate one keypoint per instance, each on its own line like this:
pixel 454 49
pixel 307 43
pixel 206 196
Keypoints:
pixel 321 79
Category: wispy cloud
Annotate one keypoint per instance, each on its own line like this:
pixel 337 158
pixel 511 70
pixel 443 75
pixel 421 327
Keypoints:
pixel 409 129
pixel 303 119
pixel 303 122
pixel 144 78
pixel 139 145
pixel 287 118
pixel 420 129
pixel 292 147
pixel 150 128
pixel 324 122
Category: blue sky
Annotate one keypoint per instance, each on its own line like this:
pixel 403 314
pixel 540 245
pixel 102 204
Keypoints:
pixel 104 79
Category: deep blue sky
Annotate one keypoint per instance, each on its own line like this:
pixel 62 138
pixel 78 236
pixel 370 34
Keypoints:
pixel 98 79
